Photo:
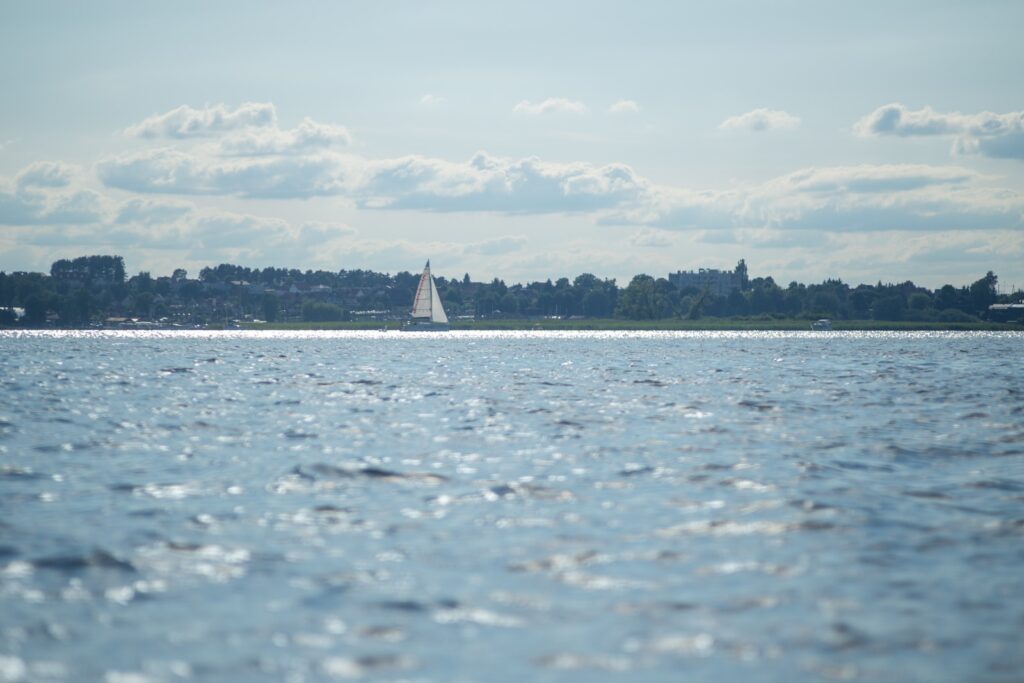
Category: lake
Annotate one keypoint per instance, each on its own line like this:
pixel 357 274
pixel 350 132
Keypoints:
pixel 525 506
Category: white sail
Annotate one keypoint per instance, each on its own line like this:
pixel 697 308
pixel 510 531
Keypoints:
pixel 436 309
pixel 421 302
pixel 427 304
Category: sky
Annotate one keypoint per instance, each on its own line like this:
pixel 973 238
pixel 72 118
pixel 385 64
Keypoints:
pixel 867 141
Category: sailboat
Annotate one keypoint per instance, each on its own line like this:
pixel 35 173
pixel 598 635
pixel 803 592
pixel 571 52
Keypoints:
pixel 427 311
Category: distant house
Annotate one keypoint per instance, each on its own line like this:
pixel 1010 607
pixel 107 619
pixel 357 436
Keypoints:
pixel 1006 312
pixel 718 282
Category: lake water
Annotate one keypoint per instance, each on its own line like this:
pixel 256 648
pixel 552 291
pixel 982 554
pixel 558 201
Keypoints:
pixel 511 507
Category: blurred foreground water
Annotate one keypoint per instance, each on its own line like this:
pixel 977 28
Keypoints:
pixel 511 506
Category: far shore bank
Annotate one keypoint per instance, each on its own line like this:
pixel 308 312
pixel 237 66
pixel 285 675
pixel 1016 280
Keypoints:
pixel 701 325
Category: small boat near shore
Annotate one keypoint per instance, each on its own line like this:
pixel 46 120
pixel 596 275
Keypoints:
pixel 427 313
pixel 823 325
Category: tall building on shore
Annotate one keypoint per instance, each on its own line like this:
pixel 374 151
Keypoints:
pixel 718 282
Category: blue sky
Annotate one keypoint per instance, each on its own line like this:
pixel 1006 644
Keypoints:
pixel 521 140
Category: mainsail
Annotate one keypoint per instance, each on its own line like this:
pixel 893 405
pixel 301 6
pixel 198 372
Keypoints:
pixel 426 305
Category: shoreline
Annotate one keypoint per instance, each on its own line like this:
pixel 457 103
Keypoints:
pixel 702 325
pixel 585 325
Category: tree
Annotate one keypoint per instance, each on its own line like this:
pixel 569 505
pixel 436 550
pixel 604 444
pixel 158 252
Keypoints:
pixel 643 299
pixel 889 307
pixel 271 307
pixel 318 311
pixel 35 310
pixel 983 292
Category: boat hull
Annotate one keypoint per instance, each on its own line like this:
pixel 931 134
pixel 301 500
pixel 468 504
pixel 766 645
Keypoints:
pixel 425 326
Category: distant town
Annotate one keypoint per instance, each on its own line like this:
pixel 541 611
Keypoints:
pixel 96 292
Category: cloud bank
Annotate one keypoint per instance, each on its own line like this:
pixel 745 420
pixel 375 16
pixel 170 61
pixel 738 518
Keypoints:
pixel 760 120
pixel 624 107
pixel 187 122
pixel 986 133
pixel 552 105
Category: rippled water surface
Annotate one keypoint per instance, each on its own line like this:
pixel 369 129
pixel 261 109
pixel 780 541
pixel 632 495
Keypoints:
pixel 511 507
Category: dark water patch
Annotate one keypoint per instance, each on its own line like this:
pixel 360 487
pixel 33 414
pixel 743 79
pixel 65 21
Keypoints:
pixel 148 513
pixel 854 465
pixel 366 382
pixel 21 473
pixel 670 606
pixel 930 494
pixel 650 382
pixel 844 636
pixel 1009 485
pixel 808 505
pixel 758 406
pixel 528 490
pixel 299 434
pixel 98 559
pixel 409 606
pixel 323 470
pixel 7 551
pixel 175 371
pixel 51 448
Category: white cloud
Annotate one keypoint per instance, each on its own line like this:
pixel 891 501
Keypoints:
pixel 176 172
pixel 552 105
pixel 327 231
pixel 761 120
pixel 41 194
pixel 226 230
pixel 986 133
pixel 45 174
pixel 652 238
pixel 497 246
pixel 151 211
pixel 429 100
pixel 487 183
pixel 308 136
pixel 838 199
pixel 624 107
pixel 187 122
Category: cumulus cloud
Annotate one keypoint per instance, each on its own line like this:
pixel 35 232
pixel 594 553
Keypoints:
pixel 842 198
pixel 986 133
pixel 624 107
pixel 429 100
pixel 488 183
pixel 40 194
pixel 45 174
pixel 497 246
pixel 226 230
pixel 173 171
pixel 838 199
pixel 652 238
pixel 326 231
pixel 187 122
pixel 36 208
pixel 308 136
pixel 552 105
pixel 150 211
pixel 760 120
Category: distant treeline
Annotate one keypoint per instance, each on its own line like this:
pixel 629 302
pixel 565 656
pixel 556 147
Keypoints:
pixel 95 290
